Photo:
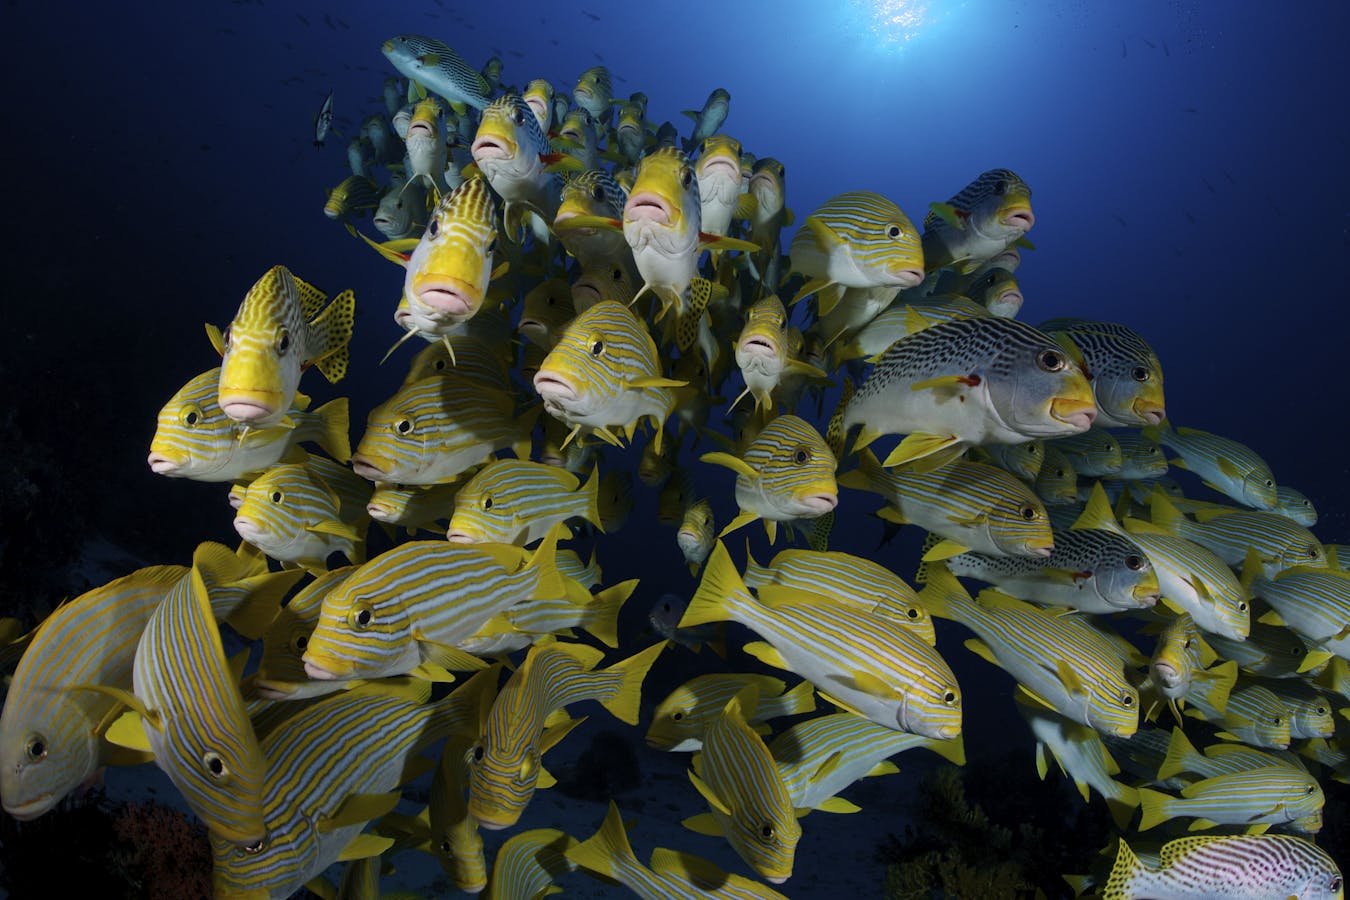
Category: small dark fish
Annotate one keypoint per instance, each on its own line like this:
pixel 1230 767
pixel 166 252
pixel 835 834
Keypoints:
pixel 1123 51
pixel 1122 222
pixel 1192 109
pixel 1166 52
pixel 303 20
pixel 516 53
pixel 343 24
pixel 598 56
pixel 1189 218
pixel 1151 45
pixel 590 15
pixel 553 41
pixel 1231 179
pixel 1208 185
pixel 224 30
pixel 328 20
pixel 288 45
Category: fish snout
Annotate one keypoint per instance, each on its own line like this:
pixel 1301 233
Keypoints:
pixel 367 468
pixel 1006 304
pixel 758 345
pixel 489 147
pixel 1074 412
pixel 1166 673
pixel 318 672
pixel 162 465
pixel 552 385
pixel 907 277
pixel 445 295
pixel 249 530
pixel 820 503
pixel 647 206
pixel 1021 218
pixel 456 536
pixel 1152 413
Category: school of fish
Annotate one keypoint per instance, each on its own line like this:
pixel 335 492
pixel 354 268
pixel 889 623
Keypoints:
pixel 591 287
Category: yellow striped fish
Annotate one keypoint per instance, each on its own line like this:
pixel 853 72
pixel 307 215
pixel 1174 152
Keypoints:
pixel 504 766
pixel 981 221
pixel 1081 756
pixel 594 193
pixel 763 354
pixel 1279 543
pixel 454 838
pixel 678 722
pixel 538 618
pixel 517 501
pixel 397 610
pixel 972 506
pixel 1064 662
pixel 546 312
pixel 786 473
pixel 414 507
pixel 1255 798
pixel 527 864
pixel 857 239
pixel 514 156
pixel 195 439
pixel 1228 466
pixel 332 767
pixel 473 355
pixel 671 874
pixel 281 669
pixel 1233 865
pixel 822 756
pixel 605 376
pixel 1253 715
pixel 847 579
pixel 898 320
pixel 1178 656
pixel 696 534
pixel 294 517
pixel 1313 603
pixel 749 804
pixel 859 661
pixel 449 270
pixel 282 328
pixel 434 429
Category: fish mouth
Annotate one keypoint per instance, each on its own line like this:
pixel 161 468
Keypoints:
pixel 759 346
pixel 1145 596
pixel 552 387
pixel 1149 412
pixel 497 823
pixel 1167 673
pixel 528 324
pixel 907 277
pixel 368 468
pixel 819 503
pixel 249 530
pixel 32 809
pixel 457 536
pixel 421 128
pixel 379 511
pixel 1079 414
pixel 320 673
pixel 332 211
pixel 445 294
pixel 537 107
pixel 647 206
pixel 1021 219
pixel 248 411
pixel 162 465
pixel 776 879
pixel 731 167
pixel 489 147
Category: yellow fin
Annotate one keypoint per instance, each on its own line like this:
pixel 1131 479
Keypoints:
pixel 710 795
pixel 356 809
pixel 919 445
pixel 838 805
pixel 703 823
pixel 767 654
pixel 364 846
pixel 944 549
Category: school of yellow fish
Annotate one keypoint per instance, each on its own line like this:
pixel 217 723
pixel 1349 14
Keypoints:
pixel 586 284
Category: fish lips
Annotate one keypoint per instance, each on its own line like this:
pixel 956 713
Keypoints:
pixel 552 387
pixel 491 147
pixel 758 345
pixel 31 809
pixel 446 295
pixel 1077 413
pixel 1021 218
pixel 369 468
pixel 906 276
pixel 162 465
pixel 249 530
pixel 1168 675
pixel 712 164
pixel 250 407
pixel 320 672
pixel 648 206
pixel 459 536
pixel 818 503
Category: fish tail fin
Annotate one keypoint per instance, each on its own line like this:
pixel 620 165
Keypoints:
pixel 1163 513
pixel 1122 805
pixel 1153 806
pixel 334 429
pixel 258 601
pixel 625 702
pixel 1119 883
pixel 1179 750
pixel 601 617
pixel 943 595
pixel 720 581
pixel 332 332
pixel 801 699
pixel 607 852
pixel 591 489
pixel 543 566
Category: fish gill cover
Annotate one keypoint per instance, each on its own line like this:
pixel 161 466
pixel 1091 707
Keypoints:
pixel 987 227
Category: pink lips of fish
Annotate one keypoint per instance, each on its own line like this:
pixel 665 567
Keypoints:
pixel 647 207
pixel 445 294
pixel 488 147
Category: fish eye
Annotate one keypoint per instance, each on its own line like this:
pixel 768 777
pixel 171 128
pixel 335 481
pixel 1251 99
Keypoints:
pixel 949 698
pixel 300 642
pixel 1000 187
pixel 802 456
pixel 434 227
pixel 191 416
pixel 284 342
pixel 276 496
pixel 519 116
pixel 1134 564
pixel 1139 373
pixel 1321 710
pixel 1335 884
pixel 1027 512
pixel 35 748
pixel 1276 721
pixel 1311 551
pixel 1311 789
pixel 893 231
pixel 598 192
pixel 441 365
pixel 597 348
pixel 361 617
pixel 445 846
pixel 476 754
pixel 256 847
pixel 686 176
pixel 912 612
pixel 403 426
pixel 1186 644
pixel 766 832
pixel 1242 606
pixel 215 766
pixel 1051 360
pixel 1126 700
pixel 487 502
pixel 677 715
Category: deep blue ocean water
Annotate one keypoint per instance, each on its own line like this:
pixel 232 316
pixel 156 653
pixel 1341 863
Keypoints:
pixel 1187 162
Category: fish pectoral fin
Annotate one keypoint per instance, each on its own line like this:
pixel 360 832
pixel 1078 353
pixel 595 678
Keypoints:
pixel 357 809
pixel 554 734
pixel 452 658
pixel 429 671
pixel 919 446
pixel 335 528
pixel 605 223
pixel 871 684
pixel 710 795
pixel 364 846
pixel 944 549
pixel 837 805
pixel 885 767
pixel 981 649
pixel 213 334
pixel 128 731
pixel 846 707
pixel 742 518
pixel 655 381
pixel 767 654
pixel 1036 698
pixel 1071 680
pixel 721 242
pixel 703 823
pixel 949 214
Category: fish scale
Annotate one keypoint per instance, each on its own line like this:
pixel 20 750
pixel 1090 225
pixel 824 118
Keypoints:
pixel 1257 867
pixel 1280 543
pixel 964 344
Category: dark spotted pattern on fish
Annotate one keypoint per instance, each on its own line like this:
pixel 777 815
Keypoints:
pixel 995 181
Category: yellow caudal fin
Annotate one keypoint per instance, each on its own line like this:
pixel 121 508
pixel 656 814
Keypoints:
pixel 523 447
pixel 1179 752
pixel 334 428
pixel 330 334
pixel 601 617
pixel 719 583
pixel 624 704
pixel 1153 806
pixel 801 699
pixel 549 582
pixel 591 491
pixel 607 852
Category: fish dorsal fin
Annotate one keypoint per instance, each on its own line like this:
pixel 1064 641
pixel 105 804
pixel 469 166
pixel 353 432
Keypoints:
pixel 1098 513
